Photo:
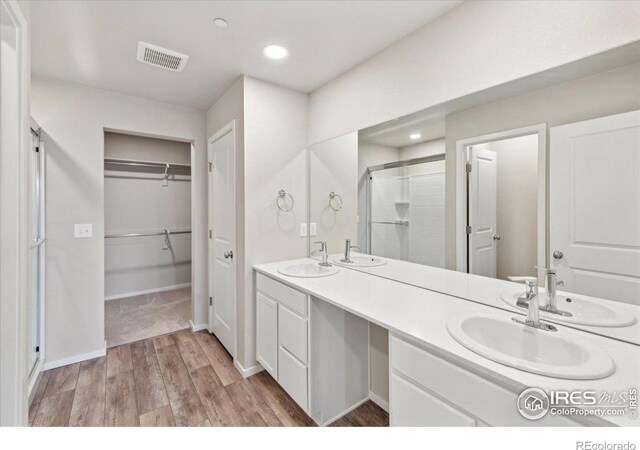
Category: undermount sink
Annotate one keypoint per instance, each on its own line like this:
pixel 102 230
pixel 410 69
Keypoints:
pixel 360 261
pixel 549 353
pixel 308 270
pixel 583 311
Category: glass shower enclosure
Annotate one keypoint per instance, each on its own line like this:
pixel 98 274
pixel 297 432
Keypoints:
pixel 406 210
pixel 36 249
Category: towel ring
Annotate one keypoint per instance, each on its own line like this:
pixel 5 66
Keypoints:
pixel 335 201
pixel 281 201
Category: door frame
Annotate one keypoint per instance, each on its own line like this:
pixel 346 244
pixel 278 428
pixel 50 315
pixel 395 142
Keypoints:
pixel 193 199
pixel 14 239
pixel 228 128
pixel 462 198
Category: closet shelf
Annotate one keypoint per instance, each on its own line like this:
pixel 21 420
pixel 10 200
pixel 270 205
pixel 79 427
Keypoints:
pixel 156 233
pixel 143 163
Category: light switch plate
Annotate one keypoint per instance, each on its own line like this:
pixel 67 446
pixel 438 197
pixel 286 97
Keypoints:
pixel 303 230
pixel 312 229
pixel 82 230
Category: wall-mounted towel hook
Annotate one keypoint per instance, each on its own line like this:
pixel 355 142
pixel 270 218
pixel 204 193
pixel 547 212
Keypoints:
pixel 335 201
pixel 281 201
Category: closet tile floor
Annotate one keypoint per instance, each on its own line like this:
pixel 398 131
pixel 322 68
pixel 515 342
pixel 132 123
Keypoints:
pixel 140 317
pixel 178 379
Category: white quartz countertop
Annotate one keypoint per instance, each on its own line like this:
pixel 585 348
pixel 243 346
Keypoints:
pixel 488 290
pixel 421 315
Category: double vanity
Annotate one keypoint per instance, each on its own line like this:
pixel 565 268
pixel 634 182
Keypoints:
pixel 457 357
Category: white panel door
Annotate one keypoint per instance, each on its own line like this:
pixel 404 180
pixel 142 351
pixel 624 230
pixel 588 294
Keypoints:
pixel 594 195
pixel 482 212
pixel 222 242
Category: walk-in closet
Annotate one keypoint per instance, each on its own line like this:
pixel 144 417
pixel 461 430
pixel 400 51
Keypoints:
pixel 147 222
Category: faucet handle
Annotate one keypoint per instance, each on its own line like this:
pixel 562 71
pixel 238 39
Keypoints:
pixel 532 287
pixel 323 245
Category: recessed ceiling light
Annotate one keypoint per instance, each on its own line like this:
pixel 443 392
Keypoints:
pixel 275 52
pixel 219 22
pixel 415 136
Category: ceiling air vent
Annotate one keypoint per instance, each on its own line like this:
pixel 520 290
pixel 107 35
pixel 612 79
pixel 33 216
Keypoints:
pixel 161 57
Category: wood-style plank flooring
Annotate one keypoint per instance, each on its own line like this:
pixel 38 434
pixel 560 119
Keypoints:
pixel 178 379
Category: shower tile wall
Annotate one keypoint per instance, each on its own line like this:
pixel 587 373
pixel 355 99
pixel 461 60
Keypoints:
pixel 418 199
pixel 387 240
pixel 426 219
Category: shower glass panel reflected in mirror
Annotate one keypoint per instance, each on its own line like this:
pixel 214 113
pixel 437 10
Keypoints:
pixel 405 204
pixel 401 190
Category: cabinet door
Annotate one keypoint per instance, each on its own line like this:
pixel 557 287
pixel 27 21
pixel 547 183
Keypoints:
pixel 412 406
pixel 292 333
pixel 293 377
pixel 267 334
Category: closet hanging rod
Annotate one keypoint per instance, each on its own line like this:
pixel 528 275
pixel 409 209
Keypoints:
pixel 141 163
pixel 158 233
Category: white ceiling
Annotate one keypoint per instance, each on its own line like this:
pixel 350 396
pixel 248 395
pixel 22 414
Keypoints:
pixel 94 42
pixel 396 133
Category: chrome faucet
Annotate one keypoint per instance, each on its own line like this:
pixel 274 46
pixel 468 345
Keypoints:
pixel 551 284
pixel 324 252
pixel 533 309
pixel 347 251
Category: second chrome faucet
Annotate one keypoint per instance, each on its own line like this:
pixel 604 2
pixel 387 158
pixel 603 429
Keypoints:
pixel 531 301
pixel 324 252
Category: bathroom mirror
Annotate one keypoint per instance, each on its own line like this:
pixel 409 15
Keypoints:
pixel 536 180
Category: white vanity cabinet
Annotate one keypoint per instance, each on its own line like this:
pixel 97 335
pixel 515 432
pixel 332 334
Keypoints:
pixel 317 352
pixel 282 336
pixel 427 390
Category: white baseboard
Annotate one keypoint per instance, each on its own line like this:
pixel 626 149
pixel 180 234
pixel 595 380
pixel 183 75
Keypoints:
pixel 200 326
pixel 247 372
pixel 346 411
pixel 382 403
pixel 147 291
pixel 74 359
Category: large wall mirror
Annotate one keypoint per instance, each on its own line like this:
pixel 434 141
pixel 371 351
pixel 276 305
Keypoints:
pixel 537 181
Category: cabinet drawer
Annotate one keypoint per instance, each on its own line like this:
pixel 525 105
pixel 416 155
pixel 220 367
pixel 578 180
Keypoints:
pixel 415 407
pixel 292 376
pixel 292 333
pixel 477 395
pixel 295 300
pixel 267 334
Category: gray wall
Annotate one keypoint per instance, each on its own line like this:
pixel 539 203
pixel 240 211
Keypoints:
pixel 136 201
pixel 73 118
pixel 500 42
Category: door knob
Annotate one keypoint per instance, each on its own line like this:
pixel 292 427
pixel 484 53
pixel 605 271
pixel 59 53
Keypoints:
pixel 228 254
pixel 496 237
pixel 558 254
